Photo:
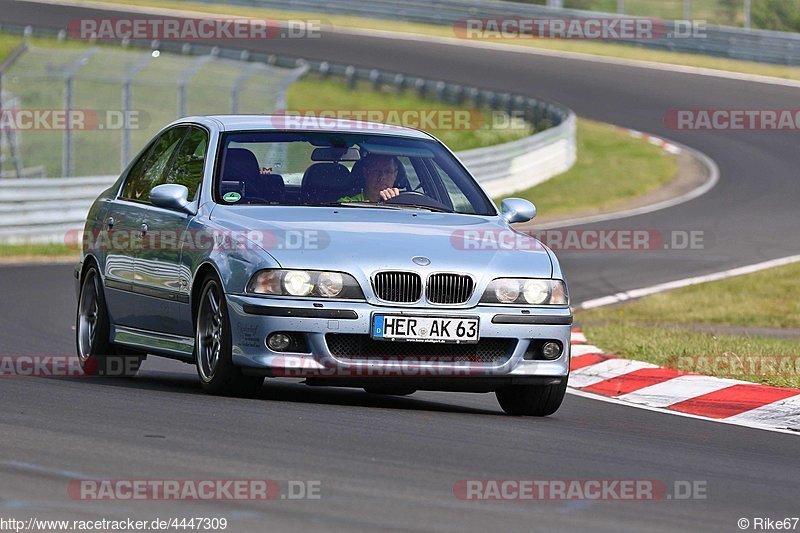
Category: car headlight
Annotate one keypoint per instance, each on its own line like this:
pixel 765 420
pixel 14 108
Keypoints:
pixel 297 283
pixel 522 291
pixel 301 283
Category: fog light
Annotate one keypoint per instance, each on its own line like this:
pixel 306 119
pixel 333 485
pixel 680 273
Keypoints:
pixel 278 342
pixel 551 350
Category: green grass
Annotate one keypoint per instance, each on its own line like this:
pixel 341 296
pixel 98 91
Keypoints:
pixel 710 10
pixel 750 358
pixel 641 329
pixel 770 298
pixel 37 250
pixel 587 47
pixel 611 164
pixel 7 44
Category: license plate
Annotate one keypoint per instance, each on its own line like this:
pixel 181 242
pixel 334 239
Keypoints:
pixel 424 328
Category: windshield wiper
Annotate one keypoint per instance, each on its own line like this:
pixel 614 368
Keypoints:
pixel 353 204
pixel 425 207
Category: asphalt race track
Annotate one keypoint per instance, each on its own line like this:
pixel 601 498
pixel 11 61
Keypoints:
pixel 392 462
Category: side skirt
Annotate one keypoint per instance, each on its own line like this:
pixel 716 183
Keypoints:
pixel 163 344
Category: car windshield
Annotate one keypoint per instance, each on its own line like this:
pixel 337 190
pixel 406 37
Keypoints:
pixel 344 169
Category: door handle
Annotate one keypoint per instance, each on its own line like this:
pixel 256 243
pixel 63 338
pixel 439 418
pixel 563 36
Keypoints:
pixel 144 229
pixel 110 222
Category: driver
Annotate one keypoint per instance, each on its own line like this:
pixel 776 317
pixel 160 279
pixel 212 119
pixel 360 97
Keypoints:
pixel 380 175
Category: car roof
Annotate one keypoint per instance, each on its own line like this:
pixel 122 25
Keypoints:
pixel 229 123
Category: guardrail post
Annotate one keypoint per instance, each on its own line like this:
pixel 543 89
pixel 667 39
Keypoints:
pixel 399 83
pixel 374 78
pixel 350 76
pixel 419 85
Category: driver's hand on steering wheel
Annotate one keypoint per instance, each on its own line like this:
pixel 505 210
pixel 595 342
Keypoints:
pixel 389 193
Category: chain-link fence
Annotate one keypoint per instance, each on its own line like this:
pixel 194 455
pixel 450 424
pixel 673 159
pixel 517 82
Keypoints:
pixel 77 111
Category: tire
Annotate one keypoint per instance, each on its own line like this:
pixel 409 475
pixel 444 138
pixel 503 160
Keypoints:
pixel 96 354
pixel 531 400
pixel 398 390
pixel 213 347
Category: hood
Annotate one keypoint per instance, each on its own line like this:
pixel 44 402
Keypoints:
pixel 367 240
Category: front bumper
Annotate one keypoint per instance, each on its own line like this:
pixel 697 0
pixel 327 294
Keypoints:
pixel 253 319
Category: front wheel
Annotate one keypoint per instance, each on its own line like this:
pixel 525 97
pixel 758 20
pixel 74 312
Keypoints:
pixel 96 354
pixel 213 347
pixel 531 400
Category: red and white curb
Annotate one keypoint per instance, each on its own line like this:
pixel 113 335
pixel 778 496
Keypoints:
pixel 650 386
pixel 652 139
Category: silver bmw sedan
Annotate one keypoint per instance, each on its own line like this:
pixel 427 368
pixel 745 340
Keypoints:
pixel 342 252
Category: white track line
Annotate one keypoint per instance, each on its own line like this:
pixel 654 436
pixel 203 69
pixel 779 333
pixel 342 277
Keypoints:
pixel 677 284
pixel 711 181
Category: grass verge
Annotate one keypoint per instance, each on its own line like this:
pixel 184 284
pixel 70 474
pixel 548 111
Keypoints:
pixel 611 164
pixel 646 330
pixel 17 251
pixel 586 47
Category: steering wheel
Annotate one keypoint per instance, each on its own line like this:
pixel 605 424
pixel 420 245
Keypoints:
pixel 417 199
pixel 409 195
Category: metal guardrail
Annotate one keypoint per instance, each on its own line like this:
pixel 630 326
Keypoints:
pixel 45 210
pixel 722 41
pixel 517 165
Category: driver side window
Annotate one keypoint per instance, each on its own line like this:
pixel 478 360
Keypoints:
pixel 149 170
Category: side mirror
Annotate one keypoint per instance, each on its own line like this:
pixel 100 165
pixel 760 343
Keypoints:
pixel 171 196
pixel 517 210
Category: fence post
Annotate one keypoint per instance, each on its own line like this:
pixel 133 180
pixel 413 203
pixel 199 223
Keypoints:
pixel 186 75
pixel 5 65
pixel 125 148
pixel 747 10
pixel 69 86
